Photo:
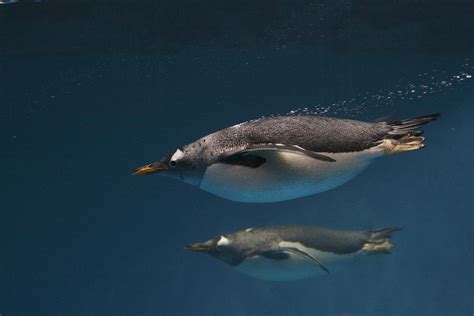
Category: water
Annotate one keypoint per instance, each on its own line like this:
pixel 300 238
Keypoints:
pixel 91 90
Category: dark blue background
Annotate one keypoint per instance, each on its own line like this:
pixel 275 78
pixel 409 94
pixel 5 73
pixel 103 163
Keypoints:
pixel 80 236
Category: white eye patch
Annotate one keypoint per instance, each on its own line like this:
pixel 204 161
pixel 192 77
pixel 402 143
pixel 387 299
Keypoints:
pixel 223 241
pixel 177 155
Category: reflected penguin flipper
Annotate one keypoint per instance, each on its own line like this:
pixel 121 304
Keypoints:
pixel 305 255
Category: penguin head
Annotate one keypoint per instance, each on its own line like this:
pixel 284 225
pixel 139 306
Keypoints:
pixel 182 164
pixel 222 248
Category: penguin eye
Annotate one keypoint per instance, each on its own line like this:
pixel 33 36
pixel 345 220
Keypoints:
pixel 172 163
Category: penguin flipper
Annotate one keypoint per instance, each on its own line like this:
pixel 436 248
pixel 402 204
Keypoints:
pixel 305 255
pixel 249 155
pixel 244 159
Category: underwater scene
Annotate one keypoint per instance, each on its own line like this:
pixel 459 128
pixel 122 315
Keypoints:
pixel 236 158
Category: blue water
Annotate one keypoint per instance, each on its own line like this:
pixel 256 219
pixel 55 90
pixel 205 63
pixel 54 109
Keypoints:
pixel 80 109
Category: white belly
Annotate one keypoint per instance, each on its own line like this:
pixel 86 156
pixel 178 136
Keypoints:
pixel 284 176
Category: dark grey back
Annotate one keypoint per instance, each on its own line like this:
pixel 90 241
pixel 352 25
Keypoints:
pixel 315 133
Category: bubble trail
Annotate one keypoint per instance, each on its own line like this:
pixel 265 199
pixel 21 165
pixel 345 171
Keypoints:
pixel 426 84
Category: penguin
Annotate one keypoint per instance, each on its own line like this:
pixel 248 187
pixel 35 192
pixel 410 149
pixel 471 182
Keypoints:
pixel 293 252
pixel 286 157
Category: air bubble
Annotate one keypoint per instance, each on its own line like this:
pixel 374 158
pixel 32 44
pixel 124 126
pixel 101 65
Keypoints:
pixel 435 81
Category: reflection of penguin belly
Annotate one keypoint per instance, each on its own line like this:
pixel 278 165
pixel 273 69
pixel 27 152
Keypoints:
pixel 295 267
pixel 284 176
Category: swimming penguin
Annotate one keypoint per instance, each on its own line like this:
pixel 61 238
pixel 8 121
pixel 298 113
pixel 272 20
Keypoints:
pixel 286 157
pixel 292 252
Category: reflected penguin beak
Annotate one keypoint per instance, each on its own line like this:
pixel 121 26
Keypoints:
pixel 149 169
pixel 197 247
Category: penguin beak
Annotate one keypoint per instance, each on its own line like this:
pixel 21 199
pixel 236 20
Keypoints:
pixel 197 247
pixel 149 169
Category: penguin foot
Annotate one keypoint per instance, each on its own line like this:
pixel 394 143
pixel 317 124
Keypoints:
pixel 405 136
pixel 406 143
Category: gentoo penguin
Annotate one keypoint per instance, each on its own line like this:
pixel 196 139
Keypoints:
pixel 292 252
pixel 286 157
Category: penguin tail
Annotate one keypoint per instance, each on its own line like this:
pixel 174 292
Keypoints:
pixel 405 135
pixel 378 241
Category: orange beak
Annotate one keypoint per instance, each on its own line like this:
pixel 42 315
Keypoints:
pixel 148 169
